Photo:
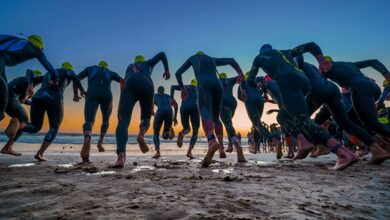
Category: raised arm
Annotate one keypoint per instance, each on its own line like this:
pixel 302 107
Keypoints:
pixel 186 65
pixel 375 64
pixel 159 57
pixel 228 61
pixel 312 48
pixel 173 88
pixel 257 63
pixel 45 63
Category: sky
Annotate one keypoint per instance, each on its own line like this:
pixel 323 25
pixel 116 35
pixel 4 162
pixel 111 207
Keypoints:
pixel 85 32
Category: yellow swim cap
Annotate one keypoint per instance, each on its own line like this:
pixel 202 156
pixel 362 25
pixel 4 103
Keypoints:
pixel 37 73
pixel 385 83
pixel 222 76
pixel 36 40
pixel 247 74
pixel 194 82
pixel 139 59
pixel 200 53
pixel 328 59
pixel 67 65
pixel 103 64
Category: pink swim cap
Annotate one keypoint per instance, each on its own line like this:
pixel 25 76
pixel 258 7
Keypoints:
pixel 267 77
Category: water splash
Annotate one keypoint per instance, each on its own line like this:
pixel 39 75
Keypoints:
pixel 22 165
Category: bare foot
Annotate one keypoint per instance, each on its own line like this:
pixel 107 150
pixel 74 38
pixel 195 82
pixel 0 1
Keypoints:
pixel 240 153
pixel 12 128
pixel 100 147
pixel 171 134
pixel 252 149
pixel 120 163
pixel 157 155
pixel 84 153
pixel 10 152
pixel 39 157
pixel 320 150
pixel 378 154
pixel 278 146
pixel 222 154
pixel 345 158
pixel 180 138
pixel 142 145
pixel 213 147
pixel 190 156
pixel 303 151
pixel 230 147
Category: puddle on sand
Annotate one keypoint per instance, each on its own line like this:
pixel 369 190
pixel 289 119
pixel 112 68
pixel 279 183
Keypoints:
pixel 142 168
pixel 223 171
pixel 22 165
pixel 99 173
pixel 66 165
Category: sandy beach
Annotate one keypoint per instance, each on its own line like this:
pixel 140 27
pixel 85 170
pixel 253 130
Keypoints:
pixel 176 188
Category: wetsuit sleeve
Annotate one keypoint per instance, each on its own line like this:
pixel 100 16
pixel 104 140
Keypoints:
pixel 76 82
pixel 45 63
pixel 385 92
pixel 311 47
pixel 375 64
pixel 159 57
pixel 232 81
pixel 115 76
pixel 29 76
pixel 83 74
pixel 228 61
pixel 173 88
pixel 257 63
pixel 180 71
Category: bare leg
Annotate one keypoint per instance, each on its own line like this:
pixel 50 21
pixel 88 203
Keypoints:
pixel 7 149
pixel 39 154
pixel 100 142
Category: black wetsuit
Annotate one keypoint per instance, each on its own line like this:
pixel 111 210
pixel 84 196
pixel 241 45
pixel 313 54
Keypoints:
pixel 138 86
pixel 98 93
pixel 50 101
pixel 189 111
pixel 13 51
pixel 17 95
pixel 209 89
pixel 164 115
pixel 293 85
pixel 229 105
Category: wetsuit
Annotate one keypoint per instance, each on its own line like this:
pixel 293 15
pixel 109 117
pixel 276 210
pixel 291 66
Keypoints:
pixel 229 105
pixel 13 51
pixel 98 93
pixel 189 111
pixel 17 95
pixel 209 89
pixel 50 101
pixel 364 91
pixel 138 86
pixel 385 92
pixel 254 105
pixel 325 92
pixel 293 85
pixel 164 115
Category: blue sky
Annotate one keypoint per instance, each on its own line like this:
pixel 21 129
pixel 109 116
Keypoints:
pixel 85 32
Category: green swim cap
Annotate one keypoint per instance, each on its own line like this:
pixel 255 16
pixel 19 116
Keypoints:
pixel 328 59
pixel 36 40
pixel 37 73
pixel 200 53
pixel 194 82
pixel 247 74
pixel 385 83
pixel 103 64
pixel 222 76
pixel 67 65
pixel 139 59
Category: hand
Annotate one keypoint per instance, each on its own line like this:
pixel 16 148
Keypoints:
pixel 184 95
pixel 240 78
pixel 76 98
pixel 30 90
pixel 175 122
pixel 166 75
pixel 324 65
pixel 82 93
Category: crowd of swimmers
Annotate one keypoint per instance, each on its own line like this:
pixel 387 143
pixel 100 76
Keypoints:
pixel 348 119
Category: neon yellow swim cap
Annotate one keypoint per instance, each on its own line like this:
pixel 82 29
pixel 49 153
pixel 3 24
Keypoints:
pixel 67 65
pixel 247 74
pixel 139 59
pixel 103 64
pixel 37 73
pixel 328 59
pixel 194 82
pixel 385 83
pixel 222 76
pixel 200 53
pixel 36 40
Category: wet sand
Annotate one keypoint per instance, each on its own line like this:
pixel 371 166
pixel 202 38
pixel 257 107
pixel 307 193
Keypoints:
pixel 176 188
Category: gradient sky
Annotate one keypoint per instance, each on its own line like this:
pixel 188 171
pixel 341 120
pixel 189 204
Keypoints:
pixel 85 32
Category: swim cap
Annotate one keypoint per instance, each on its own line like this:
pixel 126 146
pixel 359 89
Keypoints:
pixel 67 65
pixel 36 40
pixel 385 83
pixel 37 73
pixel 268 77
pixel 247 74
pixel 222 76
pixel 139 59
pixel 265 47
pixel 160 90
pixel 200 53
pixel 328 59
pixel 103 64
pixel 194 82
